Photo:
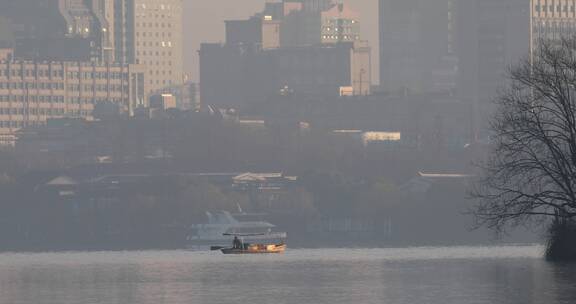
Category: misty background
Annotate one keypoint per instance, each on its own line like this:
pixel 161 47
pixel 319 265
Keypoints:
pixel 278 117
pixel 204 22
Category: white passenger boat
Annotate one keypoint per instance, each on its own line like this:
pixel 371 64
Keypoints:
pixel 223 225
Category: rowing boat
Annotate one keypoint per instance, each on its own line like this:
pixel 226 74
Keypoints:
pixel 256 249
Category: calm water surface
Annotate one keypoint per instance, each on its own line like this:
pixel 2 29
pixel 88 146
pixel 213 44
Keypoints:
pixel 495 275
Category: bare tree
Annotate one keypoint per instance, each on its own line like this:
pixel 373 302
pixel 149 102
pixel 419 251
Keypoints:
pixel 530 178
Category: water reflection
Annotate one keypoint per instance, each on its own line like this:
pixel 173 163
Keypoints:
pixel 504 275
pixel 564 276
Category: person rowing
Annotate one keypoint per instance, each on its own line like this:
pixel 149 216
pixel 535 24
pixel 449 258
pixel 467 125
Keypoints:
pixel 237 244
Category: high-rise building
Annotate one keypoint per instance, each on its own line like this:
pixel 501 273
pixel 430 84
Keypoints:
pixel 6 54
pixel 31 92
pixel 261 31
pixel 418 45
pixel 552 20
pixel 149 33
pixel 238 76
pixel 316 5
pixel 339 24
pixel 6 33
pixel 311 48
pixel 52 30
pixel 311 25
pixel 496 34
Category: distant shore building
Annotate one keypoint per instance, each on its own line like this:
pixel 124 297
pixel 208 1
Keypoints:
pixel 149 33
pixel 62 30
pixel 6 54
pixel 236 76
pixel 418 47
pixel 143 32
pixel 310 48
pixel 263 32
pixel 317 22
pixel 495 35
pixel 316 5
pixel 31 92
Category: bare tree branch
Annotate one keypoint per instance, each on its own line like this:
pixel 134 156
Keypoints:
pixel 531 174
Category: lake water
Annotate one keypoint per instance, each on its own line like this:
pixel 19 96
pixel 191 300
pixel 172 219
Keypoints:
pixel 459 275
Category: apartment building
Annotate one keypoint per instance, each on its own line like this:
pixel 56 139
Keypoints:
pixel 149 33
pixel 31 92
pixel 418 51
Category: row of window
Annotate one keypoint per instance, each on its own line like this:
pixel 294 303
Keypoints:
pixel 157 34
pixel 144 53
pixel 156 25
pixel 31 73
pixel 97 75
pixel 559 8
pixel 144 15
pixel 329 29
pixel 33 98
pixel 157 44
pixel 32 111
pixel 32 85
pixel 157 72
pixel 16 124
pixel 97 87
pixel 22 123
pixel 55 99
pixel 60 74
pixel 554 26
pixel 164 82
pixel 340 37
pixel 60 86
pixel 169 63
pixel 339 21
pixel 161 6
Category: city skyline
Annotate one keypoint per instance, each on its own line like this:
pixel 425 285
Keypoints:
pixel 210 17
pixel 399 151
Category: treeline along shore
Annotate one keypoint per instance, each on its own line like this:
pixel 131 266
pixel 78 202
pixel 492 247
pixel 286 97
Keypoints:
pixel 141 183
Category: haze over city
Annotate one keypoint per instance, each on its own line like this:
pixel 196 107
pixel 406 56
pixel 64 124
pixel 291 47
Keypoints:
pixel 287 151
pixel 209 16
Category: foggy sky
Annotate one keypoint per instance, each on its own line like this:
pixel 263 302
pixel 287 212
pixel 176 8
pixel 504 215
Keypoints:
pixel 203 22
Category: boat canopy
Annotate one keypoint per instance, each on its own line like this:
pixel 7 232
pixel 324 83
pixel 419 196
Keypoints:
pixel 244 234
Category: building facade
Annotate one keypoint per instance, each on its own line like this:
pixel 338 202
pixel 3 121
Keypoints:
pixel 418 48
pixel 316 5
pixel 339 24
pixel 6 54
pixel 238 76
pixel 319 22
pixel 149 33
pixel 494 35
pixel 31 92
pixel 311 48
pixel 144 32
pixel 552 20
pixel 59 30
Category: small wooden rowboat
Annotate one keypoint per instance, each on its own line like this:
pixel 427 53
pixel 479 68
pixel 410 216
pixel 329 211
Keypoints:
pixel 256 249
